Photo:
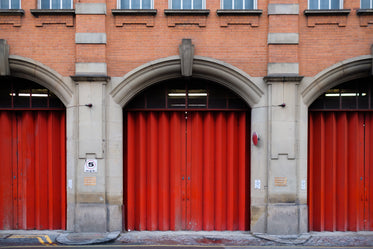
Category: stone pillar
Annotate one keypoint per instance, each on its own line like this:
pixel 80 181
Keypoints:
pixel 91 200
pixel 286 205
pixel 114 164
pixel 287 212
pixel 91 213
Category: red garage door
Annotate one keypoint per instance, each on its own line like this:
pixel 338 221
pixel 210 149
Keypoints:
pixel 340 193
pixel 189 169
pixel 32 149
pixel 32 179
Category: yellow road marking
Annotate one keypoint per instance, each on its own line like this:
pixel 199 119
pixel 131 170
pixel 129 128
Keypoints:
pixel 40 238
pixel 41 241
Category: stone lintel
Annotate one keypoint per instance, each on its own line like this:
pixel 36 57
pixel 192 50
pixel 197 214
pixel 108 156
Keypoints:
pixel 90 8
pixel 90 38
pixel 279 78
pixel 283 9
pixel 91 69
pixel 283 38
pixel 90 78
pixel 283 68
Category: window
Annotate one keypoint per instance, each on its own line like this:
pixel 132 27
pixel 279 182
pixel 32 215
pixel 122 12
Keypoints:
pixel 238 4
pixel 56 4
pixel 17 93
pixel 189 94
pixel 366 4
pixel 135 4
pixel 325 4
pixel 187 4
pixel 10 4
pixel 356 94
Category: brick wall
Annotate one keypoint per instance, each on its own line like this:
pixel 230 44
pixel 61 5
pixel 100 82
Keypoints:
pixel 133 40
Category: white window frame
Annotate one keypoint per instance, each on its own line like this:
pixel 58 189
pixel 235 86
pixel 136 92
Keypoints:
pixel 10 4
pixel 233 1
pixel 119 3
pixel 50 4
pixel 330 4
pixel 370 4
pixel 203 4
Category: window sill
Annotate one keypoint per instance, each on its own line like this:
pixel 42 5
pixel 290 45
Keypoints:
pixel 327 17
pixel 12 12
pixel 362 12
pixel 52 12
pixel 198 12
pixel 365 17
pixel 326 12
pixel 224 12
pixel 134 16
pixel 132 12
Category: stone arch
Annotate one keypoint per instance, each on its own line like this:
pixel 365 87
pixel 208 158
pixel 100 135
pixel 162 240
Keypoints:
pixel 30 69
pixel 203 67
pixel 339 73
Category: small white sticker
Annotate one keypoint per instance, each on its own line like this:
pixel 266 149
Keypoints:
pixel 257 184
pixel 303 185
pixel 90 165
pixel 70 183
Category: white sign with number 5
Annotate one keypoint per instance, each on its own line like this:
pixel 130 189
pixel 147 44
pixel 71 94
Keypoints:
pixel 90 165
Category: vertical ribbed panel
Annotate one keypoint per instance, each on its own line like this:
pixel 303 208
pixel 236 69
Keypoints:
pixel 155 159
pixel 368 195
pixel 37 182
pixel 186 172
pixel 336 171
pixel 8 187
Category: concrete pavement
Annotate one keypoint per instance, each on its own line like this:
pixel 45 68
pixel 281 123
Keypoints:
pixel 203 238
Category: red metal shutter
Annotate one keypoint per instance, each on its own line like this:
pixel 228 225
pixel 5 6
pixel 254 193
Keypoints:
pixel 155 158
pixel 8 197
pixel 217 166
pixel 338 172
pixel 35 152
pixel 368 194
pixel 186 171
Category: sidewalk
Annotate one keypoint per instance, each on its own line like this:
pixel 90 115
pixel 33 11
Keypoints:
pixel 227 238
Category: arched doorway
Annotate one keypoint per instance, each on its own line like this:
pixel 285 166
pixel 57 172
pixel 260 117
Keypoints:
pixel 186 158
pixel 340 156
pixel 32 145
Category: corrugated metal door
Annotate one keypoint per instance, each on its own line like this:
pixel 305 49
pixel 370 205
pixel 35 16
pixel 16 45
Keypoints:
pixel 32 179
pixel 340 170
pixel 187 171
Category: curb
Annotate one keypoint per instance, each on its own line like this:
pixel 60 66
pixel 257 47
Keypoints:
pixel 86 238
pixel 284 239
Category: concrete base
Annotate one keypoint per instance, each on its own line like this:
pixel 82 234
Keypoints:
pixel 283 219
pixel 91 218
pixel 258 219
pixel 114 218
